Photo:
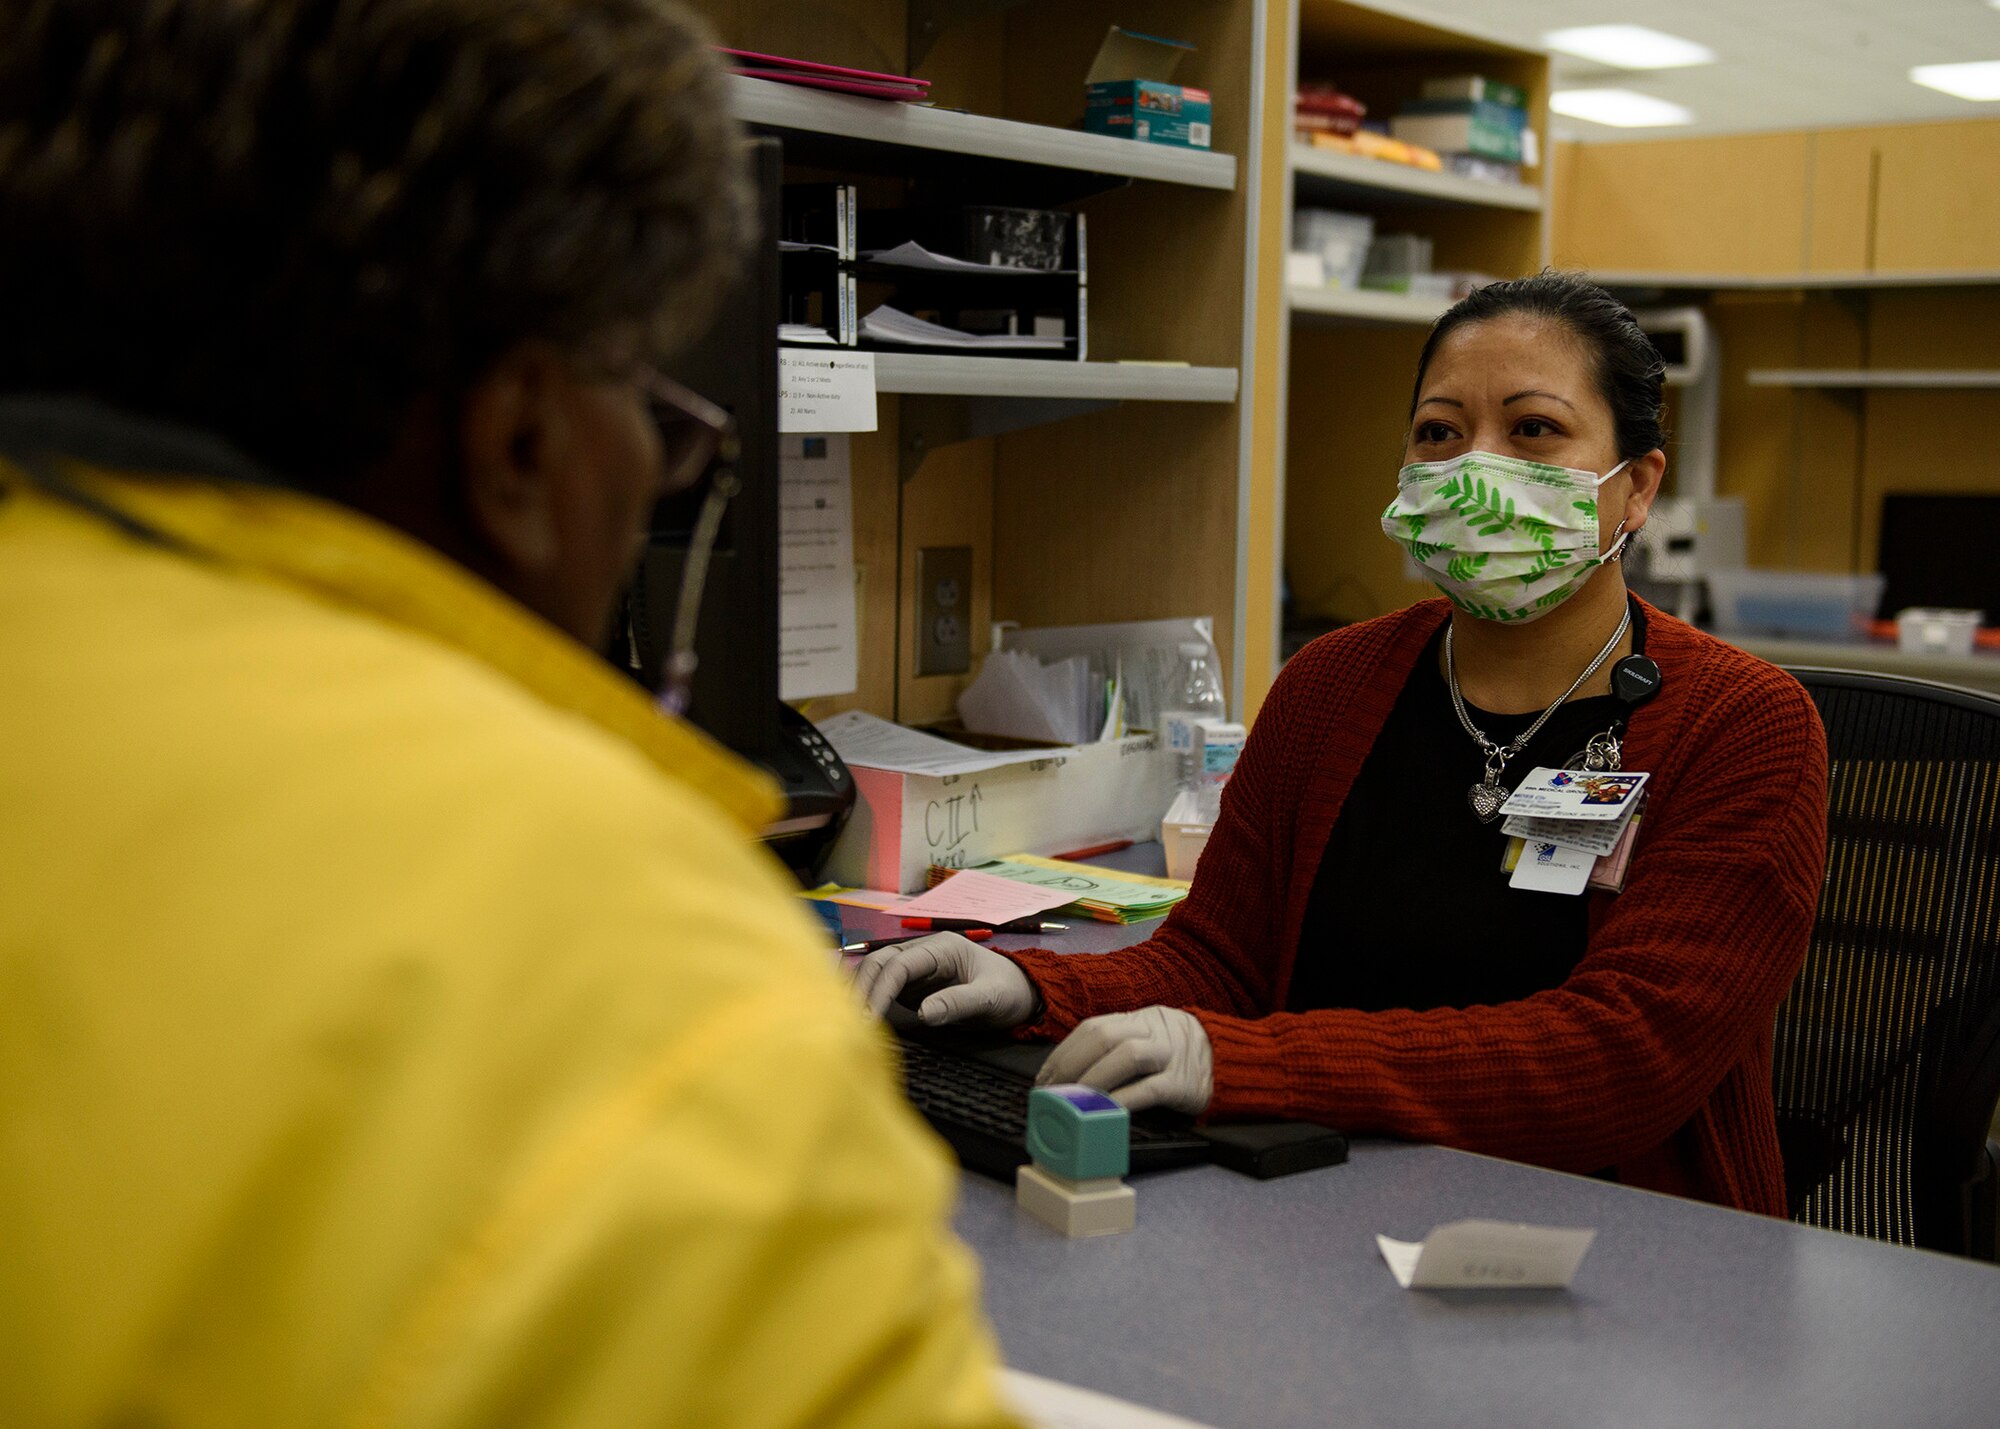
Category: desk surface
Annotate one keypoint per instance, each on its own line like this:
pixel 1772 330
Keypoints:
pixel 1250 1304
pixel 1265 1305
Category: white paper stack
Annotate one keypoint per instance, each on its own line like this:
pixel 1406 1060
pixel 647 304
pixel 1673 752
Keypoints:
pixel 1018 696
pixel 894 326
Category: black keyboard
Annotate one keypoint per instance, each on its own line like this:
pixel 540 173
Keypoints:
pixel 982 1111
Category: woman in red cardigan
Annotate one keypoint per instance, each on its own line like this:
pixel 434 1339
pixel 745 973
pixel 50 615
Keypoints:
pixel 1353 951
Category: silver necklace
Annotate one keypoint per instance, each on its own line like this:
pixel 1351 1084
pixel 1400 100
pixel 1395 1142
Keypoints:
pixel 1487 796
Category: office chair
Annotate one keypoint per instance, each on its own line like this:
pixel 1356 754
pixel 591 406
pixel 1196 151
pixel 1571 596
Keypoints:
pixel 1887 1063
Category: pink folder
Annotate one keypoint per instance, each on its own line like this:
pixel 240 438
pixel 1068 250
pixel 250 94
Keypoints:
pixel 825 76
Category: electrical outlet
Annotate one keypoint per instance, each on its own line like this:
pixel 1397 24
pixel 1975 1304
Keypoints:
pixel 944 610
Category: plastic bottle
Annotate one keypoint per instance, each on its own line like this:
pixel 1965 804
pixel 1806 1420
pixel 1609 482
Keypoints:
pixel 1194 693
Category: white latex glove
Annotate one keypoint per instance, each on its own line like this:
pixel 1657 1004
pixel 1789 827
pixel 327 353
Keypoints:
pixel 1155 1057
pixel 964 982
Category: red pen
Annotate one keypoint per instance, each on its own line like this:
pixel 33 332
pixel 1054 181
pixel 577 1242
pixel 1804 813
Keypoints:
pixel 869 945
pixel 969 928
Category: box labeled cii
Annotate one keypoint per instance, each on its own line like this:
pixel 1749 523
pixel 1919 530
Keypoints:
pixel 1077 794
pixel 1130 93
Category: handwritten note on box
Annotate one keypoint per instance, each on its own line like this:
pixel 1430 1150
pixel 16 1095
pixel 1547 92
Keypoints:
pixel 1487 1255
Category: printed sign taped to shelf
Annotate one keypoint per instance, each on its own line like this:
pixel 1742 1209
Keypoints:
pixel 820 391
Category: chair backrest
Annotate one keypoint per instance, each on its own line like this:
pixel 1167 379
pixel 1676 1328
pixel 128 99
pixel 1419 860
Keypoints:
pixel 1887 1061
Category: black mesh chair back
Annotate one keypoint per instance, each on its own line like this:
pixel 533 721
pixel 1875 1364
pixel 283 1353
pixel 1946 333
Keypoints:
pixel 1887 1061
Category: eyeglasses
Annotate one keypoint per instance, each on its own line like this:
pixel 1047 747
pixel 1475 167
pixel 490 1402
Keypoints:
pixel 693 430
pixel 695 434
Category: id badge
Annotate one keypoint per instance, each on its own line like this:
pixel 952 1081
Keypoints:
pixel 1606 873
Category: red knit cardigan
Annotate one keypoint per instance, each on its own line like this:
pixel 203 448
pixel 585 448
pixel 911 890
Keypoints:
pixel 1653 1058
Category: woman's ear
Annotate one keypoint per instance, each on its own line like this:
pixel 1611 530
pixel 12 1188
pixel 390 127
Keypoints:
pixel 1647 472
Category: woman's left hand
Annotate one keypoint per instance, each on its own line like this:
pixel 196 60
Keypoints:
pixel 1155 1057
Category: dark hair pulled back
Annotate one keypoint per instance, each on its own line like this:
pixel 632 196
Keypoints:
pixel 1630 374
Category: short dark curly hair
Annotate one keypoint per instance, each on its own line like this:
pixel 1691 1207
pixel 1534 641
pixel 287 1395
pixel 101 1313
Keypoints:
pixel 287 220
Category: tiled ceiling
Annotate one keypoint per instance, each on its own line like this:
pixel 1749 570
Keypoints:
pixel 1780 64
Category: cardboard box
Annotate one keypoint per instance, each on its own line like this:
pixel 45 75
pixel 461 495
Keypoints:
pixel 1073 795
pixel 1461 134
pixel 1475 86
pixel 1129 93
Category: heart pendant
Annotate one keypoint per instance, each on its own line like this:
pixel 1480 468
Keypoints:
pixel 1486 800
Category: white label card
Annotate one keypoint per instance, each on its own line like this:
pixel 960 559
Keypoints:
pixel 1487 1255
pixel 1550 868
pixel 821 391
pixel 1575 794
pixel 1598 839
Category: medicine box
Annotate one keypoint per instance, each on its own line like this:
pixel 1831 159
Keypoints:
pixel 1129 92
pixel 1077 794
pixel 1147 110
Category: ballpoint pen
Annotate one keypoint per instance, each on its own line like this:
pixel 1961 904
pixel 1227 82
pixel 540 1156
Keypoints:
pixel 968 925
pixel 869 945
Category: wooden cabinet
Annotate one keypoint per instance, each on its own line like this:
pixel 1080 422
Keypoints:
pixel 1937 197
pixel 1916 199
pixel 1683 206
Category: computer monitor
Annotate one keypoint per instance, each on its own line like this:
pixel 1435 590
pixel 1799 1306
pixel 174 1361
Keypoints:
pixel 735 692
pixel 1939 550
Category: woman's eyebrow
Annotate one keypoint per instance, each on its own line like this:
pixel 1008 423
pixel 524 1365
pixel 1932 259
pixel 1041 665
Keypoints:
pixel 1538 392
pixel 1448 401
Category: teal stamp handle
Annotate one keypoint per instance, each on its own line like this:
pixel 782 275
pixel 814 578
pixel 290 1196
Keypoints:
pixel 1078 1132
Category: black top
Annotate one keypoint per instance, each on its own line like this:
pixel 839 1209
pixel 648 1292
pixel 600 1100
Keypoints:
pixel 1410 907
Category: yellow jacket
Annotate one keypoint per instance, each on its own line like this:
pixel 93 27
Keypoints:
pixel 398 1025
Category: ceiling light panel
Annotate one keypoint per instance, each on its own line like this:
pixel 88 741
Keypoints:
pixel 1980 80
pixel 1621 108
pixel 1629 47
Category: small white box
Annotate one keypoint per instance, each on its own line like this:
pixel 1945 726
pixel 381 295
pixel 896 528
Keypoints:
pixel 1104 1206
pixel 1184 834
pixel 904 823
pixel 1924 631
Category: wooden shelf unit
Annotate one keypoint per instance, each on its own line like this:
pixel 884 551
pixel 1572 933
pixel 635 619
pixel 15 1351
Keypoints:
pixel 938 375
pixel 1334 179
pixel 793 109
pixel 1857 379
pixel 1361 307
pixel 1087 492
pixel 1345 386
pixel 1802 282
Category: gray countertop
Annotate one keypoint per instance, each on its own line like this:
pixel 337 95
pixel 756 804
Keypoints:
pixel 1246 1303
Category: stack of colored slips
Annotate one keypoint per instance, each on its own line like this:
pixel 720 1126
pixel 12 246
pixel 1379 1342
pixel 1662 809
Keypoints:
pixel 1102 894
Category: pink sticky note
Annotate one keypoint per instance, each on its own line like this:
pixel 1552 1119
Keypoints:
pixel 983 897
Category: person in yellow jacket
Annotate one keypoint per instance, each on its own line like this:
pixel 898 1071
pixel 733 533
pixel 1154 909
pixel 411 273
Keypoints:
pixel 399 1024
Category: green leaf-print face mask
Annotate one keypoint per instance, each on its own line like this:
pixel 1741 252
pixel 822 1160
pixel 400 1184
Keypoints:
pixel 1504 539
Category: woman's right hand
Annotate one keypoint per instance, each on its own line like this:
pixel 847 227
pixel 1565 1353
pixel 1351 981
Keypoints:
pixel 948 979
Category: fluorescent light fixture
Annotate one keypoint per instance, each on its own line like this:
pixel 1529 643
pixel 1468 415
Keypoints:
pixel 1624 108
pixel 1630 47
pixel 1980 80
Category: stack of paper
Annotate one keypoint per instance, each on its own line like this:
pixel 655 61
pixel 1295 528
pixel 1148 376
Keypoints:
pixel 899 329
pixel 915 255
pixel 1018 696
pixel 973 895
pixel 1094 892
pixel 801 333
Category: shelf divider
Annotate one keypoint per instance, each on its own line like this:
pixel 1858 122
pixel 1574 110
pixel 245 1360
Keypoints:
pixel 1362 307
pixel 1909 379
pixel 769 104
pixel 1326 174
